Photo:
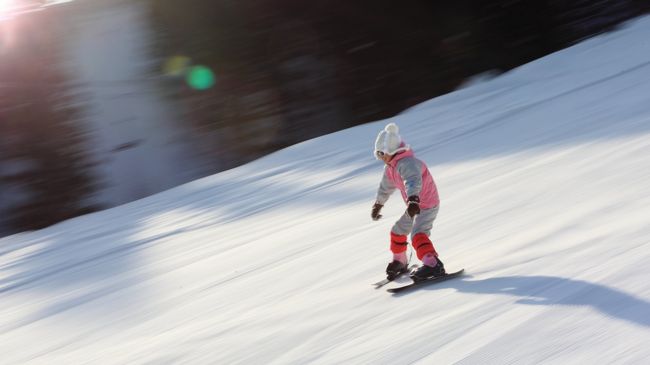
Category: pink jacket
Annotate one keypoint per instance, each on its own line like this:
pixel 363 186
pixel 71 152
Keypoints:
pixel 412 177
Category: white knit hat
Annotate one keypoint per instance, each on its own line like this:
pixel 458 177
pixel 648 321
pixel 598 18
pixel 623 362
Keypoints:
pixel 389 141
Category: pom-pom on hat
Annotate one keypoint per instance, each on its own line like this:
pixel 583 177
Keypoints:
pixel 389 141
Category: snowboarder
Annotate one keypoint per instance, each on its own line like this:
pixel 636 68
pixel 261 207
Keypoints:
pixel 411 176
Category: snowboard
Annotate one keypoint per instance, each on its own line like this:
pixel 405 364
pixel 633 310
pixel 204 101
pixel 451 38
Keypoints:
pixel 421 283
pixel 379 284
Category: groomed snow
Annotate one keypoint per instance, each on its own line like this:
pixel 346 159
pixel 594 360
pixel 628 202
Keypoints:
pixel 544 175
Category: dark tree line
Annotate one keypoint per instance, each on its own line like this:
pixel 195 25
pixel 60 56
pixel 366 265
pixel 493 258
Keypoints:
pixel 289 70
pixel 43 171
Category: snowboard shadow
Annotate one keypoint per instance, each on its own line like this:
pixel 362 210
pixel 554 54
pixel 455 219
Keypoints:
pixel 550 290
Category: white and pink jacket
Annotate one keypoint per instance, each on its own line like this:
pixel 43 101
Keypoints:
pixel 412 177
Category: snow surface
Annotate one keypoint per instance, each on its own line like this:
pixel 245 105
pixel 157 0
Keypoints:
pixel 544 180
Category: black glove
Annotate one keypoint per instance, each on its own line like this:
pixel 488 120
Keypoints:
pixel 413 205
pixel 375 211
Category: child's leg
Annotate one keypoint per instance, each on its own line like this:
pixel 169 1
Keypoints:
pixel 422 225
pixel 399 237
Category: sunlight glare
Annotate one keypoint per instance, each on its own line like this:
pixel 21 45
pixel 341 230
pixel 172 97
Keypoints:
pixel 5 5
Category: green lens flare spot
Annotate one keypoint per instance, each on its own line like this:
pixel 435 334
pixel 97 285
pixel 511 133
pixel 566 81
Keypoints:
pixel 200 78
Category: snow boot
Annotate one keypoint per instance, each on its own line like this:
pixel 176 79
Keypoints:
pixel 426 272
pixel 395 269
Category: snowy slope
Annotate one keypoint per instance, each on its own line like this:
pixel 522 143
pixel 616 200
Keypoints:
pixel 543 174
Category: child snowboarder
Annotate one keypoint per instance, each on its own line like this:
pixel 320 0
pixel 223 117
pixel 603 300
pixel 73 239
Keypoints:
pixel 412 177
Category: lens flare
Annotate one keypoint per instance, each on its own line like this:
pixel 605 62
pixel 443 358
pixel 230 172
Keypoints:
pixel 5 7
pixel 177 66
pixel 200 78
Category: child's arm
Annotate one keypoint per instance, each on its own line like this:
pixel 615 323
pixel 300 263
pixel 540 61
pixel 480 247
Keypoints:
pixel 386 188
